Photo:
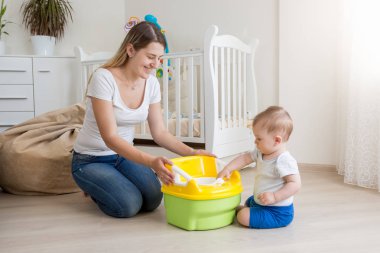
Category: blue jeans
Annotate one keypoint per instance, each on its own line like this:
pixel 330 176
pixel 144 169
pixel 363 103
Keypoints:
pixel 121 188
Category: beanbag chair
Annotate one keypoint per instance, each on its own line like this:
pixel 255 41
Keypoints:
pixel 35 156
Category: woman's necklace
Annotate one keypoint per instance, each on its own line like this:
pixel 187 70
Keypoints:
pixel 132 87
pixel 125 80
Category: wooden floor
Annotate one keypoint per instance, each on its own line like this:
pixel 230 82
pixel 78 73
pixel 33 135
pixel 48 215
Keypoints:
pixel 330 217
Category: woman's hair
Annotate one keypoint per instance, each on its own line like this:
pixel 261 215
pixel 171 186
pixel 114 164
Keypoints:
pixel 275 119
pixel 140 36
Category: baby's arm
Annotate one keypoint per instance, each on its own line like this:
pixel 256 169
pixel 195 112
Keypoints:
pixel 291 187
pixel 236 164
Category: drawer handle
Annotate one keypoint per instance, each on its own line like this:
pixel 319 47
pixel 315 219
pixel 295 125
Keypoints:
pixel 13 97
pixel 44 70
pixel 12 70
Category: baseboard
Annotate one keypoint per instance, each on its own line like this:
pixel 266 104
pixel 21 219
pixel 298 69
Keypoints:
pixel 308 167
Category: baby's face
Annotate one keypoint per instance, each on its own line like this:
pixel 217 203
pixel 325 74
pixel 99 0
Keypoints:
pixel 265 142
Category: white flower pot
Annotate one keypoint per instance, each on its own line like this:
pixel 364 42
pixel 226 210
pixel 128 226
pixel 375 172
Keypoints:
pixel 43 45
pixel 2 47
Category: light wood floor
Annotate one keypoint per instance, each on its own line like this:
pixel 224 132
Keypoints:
pixel 330 217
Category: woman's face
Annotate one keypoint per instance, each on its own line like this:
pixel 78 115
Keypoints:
pixel 145 60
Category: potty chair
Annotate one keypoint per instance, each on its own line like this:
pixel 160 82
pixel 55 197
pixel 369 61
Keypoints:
pixel 197 200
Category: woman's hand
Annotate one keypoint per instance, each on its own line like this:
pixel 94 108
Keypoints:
pixel 165 175
pixel 202 152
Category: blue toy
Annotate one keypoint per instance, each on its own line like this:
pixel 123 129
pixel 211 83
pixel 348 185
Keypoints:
pixel 153 19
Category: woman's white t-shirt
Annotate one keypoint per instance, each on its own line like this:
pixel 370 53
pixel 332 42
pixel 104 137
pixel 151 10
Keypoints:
pixel 103 86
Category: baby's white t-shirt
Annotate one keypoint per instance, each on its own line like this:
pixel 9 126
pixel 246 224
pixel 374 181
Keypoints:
pixel 103 86
pixel 270 173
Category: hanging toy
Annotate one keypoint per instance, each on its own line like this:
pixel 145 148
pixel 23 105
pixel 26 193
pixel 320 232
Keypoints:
pixel 132 21
pixel 153 19
pixel 160 73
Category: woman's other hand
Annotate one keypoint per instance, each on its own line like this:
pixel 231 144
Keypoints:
pixel 165 175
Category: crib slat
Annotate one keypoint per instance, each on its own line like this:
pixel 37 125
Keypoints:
pixel 190 75
pixel 165 90
pixel 229 87
pixel 85 74
pixel 143 127
pixel 216 71
pixel 202 101
pixel 177 74
pixel 239 89
pixel 196 85
pixel 222 86
pixel 245 114
pixel 234 80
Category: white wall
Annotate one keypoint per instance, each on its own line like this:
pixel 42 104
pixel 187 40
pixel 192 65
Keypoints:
pixel 186 21
pixel 97 25
pixel 307 76
pixel 295 62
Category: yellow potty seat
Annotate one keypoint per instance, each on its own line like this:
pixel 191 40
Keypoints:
pixel 196 200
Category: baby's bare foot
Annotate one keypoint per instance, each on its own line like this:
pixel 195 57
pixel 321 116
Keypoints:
pixel 239 208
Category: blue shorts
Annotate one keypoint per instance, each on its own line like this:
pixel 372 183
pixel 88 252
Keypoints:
pixel 268 216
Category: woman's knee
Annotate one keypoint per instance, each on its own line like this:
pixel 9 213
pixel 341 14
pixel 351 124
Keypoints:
pixel 243 216
pixel 122 207
pixel 152 201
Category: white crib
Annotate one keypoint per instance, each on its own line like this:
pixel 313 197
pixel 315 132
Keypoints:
pixel 208 96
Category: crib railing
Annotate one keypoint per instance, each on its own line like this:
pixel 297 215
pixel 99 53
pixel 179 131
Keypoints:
pixel 228 66
pixel 181 74
pixel 186 88
pixel 89 63
pixel 208 96
pixel 230 72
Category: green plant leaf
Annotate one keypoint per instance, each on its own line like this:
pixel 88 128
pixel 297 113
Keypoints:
pixel 46 17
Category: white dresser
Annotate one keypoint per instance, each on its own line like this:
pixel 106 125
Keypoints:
pixel 32 85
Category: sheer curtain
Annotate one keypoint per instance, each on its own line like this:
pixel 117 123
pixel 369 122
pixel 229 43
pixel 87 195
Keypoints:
pixel 359 94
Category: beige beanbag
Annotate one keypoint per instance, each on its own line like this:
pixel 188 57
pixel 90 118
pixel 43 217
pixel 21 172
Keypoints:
pixel 35 156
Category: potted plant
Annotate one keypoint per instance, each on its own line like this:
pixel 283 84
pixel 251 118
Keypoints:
pixel 46 21
pixel 3 23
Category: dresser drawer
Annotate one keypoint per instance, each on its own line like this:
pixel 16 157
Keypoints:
pixel 14 70
pixel 15 98
pixel 13 118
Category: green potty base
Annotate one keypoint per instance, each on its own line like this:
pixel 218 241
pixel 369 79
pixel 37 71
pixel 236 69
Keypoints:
pixel 200 214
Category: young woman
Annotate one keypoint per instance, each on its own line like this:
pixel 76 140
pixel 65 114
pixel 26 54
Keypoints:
pixel 121 179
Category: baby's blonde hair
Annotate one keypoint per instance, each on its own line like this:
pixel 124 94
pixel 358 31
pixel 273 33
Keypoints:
pixel 275 119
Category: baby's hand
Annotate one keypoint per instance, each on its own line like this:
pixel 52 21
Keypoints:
pixel 224 173
pixel 267 198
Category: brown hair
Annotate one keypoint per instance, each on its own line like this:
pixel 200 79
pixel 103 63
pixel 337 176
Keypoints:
pixel 139 36
pixel 275 119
